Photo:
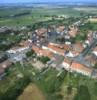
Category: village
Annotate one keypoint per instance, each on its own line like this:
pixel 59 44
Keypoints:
pixel 48 50
pixel 58 44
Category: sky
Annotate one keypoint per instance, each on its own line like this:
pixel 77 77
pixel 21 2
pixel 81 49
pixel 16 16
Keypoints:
pixel 33 1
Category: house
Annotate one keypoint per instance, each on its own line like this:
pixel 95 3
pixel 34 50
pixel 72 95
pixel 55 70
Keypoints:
pixel 68 54
pixel 15 50
pixel 17 53
pixel 62 46
pixel 46 53
pixel 30 34
pixel 71 54
pixel 51 28
pixel 56 61
pixel 89 37
pixel 40 32
pixel 94 74
pixel 60 29
pixel 42 52
pixel 68 43
pixel 17 57
pixel 77 23
pixel 36 49
pixel 95 51
pixel 25 43
pixel 66 64
pixel 73 31
pixel 56 49
pixel 91 59
pixel 93 19
pixel 84 70
pixel 67 37
pixel 87 43
pixel 54 44
pixel 78 47
pixel 75 50
pixel 77 67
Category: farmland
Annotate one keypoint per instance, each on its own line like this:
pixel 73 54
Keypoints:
pixel 27 16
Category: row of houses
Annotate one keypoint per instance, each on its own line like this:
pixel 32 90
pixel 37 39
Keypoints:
pixel 73 66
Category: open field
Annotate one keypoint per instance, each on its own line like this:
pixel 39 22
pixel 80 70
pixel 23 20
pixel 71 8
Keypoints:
pixel 28 16
pixel 47 86
pixel 93 20
pixel 31 92
pixel 87 9
pixel 17 16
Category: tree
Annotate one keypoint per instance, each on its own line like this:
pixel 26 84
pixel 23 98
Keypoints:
pixel 30 53
pixel 44 59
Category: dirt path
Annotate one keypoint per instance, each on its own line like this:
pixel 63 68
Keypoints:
pixel 31 93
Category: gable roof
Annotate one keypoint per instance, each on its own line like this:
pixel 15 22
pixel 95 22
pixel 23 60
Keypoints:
pixel 78 66
pixel 41 31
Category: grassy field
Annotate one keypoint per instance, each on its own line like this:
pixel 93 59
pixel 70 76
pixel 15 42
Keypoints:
pixel 39 14
pixel 31 92
pixel 83 88
pixel 36 15
pixel 47 86
pixel 87 9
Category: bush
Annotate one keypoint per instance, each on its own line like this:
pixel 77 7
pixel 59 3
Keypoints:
pixel 44 59
pixel 14 91
pixel 30 53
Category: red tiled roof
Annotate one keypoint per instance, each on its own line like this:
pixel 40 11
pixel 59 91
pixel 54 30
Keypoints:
pixel 81 67
pixel 78 47
pixel 36 49
pixel 24 43
pixel 57 49
pixel 73 31
pixel 41 31
pixel 46 53
pixel 42 52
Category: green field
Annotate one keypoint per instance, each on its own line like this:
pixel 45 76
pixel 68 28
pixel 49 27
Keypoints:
pixel 36 15
pixel 50 85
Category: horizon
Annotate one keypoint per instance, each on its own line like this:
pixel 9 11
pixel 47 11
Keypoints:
pixel 48 1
